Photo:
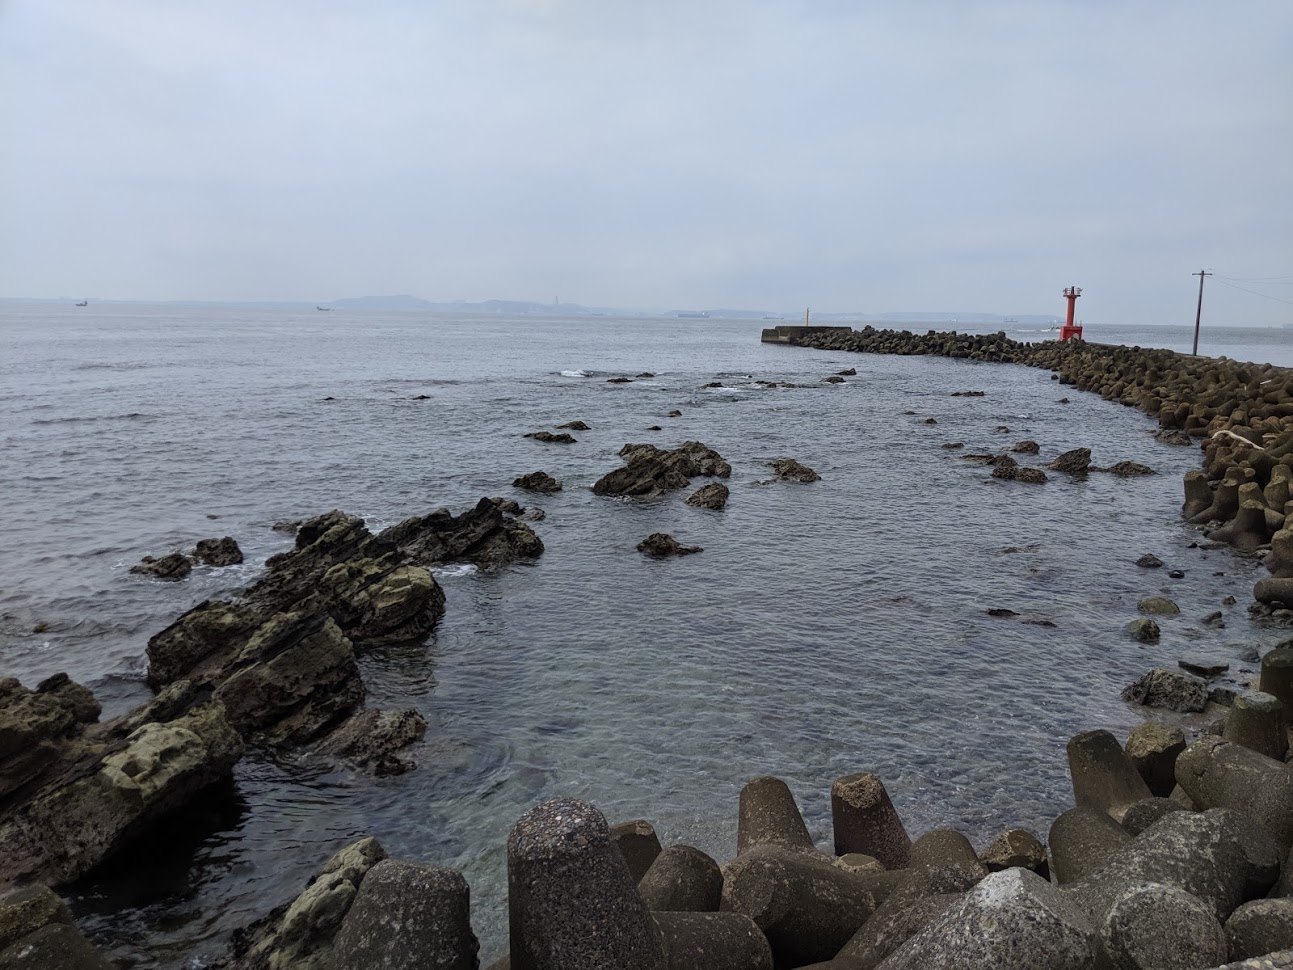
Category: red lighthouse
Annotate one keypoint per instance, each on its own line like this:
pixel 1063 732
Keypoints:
pixel 1069 330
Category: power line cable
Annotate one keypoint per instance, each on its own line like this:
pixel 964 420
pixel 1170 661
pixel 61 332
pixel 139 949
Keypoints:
pixel 1266 296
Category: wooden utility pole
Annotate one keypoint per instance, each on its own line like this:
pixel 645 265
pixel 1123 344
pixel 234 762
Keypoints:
pixel 1198 313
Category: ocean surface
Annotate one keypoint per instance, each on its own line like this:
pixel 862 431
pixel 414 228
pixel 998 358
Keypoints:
pixel 826 628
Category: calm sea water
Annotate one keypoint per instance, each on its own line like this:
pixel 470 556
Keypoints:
pixel 826 629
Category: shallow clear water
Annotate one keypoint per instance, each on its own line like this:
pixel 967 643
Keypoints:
pixel 825 629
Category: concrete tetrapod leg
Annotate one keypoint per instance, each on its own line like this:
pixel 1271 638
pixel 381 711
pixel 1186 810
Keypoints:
pixel 1274 592
pixel 1198 496
pixel 1006 922
pixel 1153 748
pixel 769 816
pixel 1277 675
pixel 1152 926
pixel 1080 841
pixel 1216 773
pixel 865 821
pixel 682 879
pixel 408 916
pixel 942 847
pixel 806 907
pixel 713 941
pixel 923 896
pixel 1104 778
pixel 1219 855
pixel 1259 927
pixel 572 902
pixel 1257 721
pixel 638 844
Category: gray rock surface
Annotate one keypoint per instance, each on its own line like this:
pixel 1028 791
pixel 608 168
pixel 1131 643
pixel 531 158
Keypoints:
pixel 407 916
pixel 1012 920
pixel 1259 927
pixel 1157 927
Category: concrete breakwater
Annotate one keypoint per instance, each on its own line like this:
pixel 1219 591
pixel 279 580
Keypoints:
pixel 1240 413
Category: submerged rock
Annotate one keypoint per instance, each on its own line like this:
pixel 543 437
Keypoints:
pixel 548 436
pixel 1075 462
pixel 373 739
pixel 1170 689
pixel 788 469
pixel 1149 561
pixel 711 496
pixel 661 544
pixel 174 566
pixel 575 425
pixel 537 482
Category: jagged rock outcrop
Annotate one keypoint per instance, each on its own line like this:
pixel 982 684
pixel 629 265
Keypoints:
pixel 218 552
pixel 650 471
pixel 75 792
pixel 282 657
pixel 790 470
pixel 540 482
pixel 172 567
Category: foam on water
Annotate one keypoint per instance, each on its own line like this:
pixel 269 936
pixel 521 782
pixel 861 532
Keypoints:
pixel 826 628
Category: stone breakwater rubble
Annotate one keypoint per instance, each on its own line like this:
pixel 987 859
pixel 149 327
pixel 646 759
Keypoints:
pixel 1241 413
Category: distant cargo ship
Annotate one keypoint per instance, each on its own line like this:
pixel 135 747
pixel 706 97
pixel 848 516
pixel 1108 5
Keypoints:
pixel 693 314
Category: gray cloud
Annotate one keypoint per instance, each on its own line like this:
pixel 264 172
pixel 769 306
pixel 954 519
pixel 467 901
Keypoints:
pixel 868 156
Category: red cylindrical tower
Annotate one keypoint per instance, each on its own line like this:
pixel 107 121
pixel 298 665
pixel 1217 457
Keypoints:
pixel 1068 331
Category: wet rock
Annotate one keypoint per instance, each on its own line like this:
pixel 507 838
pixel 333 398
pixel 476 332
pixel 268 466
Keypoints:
pixel 661 545
pixel 650 471
pixel 951 445
pixel 711 496
pixel 550 438
pixel 288 526
pixel 833 379
pixel 537 482
pixel 1026 447
pixel 1001 611
pixel 848 372
pixel 1206 667
pixel 575 425
pixel 300 934
pixel 1176 573
pixel 218 552
pixel 1168 689
pixel 1158 606
pixel 103 786
pixel 619 380
pixel 654 427
pixel 1143 629
pixel 482 536
pixel 1215 619
pixel 1170 437
pixel 508 506
pixel 373 740
pixel 1149 561
pixel 675 413
pixel 790 470
pixel 1074 462
pixel 967 394
pixel 1127 469
pixel 175 566
pixel 931 421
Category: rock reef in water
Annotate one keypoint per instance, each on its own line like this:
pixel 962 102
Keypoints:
pixel 650 471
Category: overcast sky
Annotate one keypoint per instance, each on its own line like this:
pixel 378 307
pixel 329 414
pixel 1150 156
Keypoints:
pixel 863 156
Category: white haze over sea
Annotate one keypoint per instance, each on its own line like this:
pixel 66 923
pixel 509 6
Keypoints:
pixel 849 156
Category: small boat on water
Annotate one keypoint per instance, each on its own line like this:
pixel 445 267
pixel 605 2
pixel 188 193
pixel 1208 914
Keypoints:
pixel 325 308
pixel 84 303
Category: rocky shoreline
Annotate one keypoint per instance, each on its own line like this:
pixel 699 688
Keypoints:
pixel 1174 855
